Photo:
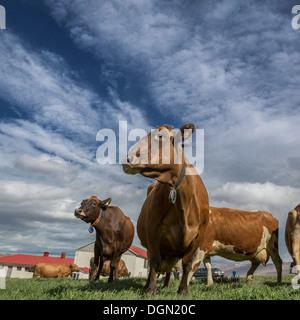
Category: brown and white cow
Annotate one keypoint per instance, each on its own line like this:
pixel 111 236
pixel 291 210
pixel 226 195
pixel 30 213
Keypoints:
pixel 240 235
pixel 114 232
pixel 105 271
pixel 292 236
pixel 174 216
pixel 54 270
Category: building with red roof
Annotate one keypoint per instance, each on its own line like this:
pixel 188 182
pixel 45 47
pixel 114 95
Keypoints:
pixel 18 265
pixel 135 259
pixel 21 265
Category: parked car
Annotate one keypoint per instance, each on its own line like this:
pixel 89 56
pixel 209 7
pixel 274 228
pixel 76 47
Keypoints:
pixel 201 273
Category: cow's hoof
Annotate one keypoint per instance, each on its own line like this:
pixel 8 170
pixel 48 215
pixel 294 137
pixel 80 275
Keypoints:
pixel 182 291
pixel 152 291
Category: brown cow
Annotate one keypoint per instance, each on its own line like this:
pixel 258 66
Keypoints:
pixel 292 236
pixel 54 270
pixel 105 271
pixel 240 235
pixel 114 232
pixel 174 215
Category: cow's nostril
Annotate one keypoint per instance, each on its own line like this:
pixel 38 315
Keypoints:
pixel 78 213
pixel 130 159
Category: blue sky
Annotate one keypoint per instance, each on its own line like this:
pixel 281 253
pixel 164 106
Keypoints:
pixel 71 68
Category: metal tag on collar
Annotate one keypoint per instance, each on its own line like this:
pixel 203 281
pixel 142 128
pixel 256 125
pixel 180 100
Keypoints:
pixel 172 195
pixel 91 229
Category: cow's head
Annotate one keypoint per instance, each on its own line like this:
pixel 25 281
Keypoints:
pixel 74 268
pixel 159 154
pixel 90 209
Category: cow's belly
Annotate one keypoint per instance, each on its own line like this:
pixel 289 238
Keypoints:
pixel 229 251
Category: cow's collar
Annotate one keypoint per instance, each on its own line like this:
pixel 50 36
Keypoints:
pixel 173 192
pixel 91 228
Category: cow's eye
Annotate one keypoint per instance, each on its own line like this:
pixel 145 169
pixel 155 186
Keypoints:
pixel 94 203
pixel 160 136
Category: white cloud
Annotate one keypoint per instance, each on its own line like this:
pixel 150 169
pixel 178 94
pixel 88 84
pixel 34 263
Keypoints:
pixel 41 83
pixel 231 68
pixel 257 196
pixel 53 167
pixel 17 133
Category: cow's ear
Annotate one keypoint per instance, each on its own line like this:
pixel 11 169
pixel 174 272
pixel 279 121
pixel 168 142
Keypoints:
pixel 184 133
pixel 105 203
pixel 187 130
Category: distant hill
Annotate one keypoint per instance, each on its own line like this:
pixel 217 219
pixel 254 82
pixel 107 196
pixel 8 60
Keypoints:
pixel 242 268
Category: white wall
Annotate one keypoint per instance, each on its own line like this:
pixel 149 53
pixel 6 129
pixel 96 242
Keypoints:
pixel 134 264
pixel 18 273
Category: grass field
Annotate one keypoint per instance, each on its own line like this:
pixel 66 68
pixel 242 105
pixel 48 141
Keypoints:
pixel 262 288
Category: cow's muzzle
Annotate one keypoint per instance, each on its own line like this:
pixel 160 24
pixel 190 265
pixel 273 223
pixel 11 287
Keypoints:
pixel 79 213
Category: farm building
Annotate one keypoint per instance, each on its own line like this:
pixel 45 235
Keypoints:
pixel 18 265
pixel 135 259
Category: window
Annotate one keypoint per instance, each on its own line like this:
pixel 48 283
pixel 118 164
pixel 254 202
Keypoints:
pixel 146 263
pixel 19 268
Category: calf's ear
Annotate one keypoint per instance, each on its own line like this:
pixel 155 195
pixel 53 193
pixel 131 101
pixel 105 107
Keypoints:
pixel 105 203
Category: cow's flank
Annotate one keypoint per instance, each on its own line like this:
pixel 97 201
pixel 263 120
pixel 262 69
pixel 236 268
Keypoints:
pixel 240 235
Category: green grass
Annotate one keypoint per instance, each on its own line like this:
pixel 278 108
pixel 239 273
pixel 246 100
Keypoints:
pixel 262 288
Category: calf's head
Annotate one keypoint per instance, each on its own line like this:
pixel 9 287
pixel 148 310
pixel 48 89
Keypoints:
pixel 90 209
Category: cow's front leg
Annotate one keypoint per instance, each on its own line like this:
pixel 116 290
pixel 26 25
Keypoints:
pixel 167 282
pixel 154 262
pixel 186 268
pixel 114 264
pixel 151 282
pixel 98 264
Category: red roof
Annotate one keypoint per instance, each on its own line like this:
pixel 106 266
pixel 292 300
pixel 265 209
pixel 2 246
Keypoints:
pixel 31 260
pixel 138 251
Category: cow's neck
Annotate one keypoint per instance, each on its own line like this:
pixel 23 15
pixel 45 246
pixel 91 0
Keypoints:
pixel 189 187
pixel 176 184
